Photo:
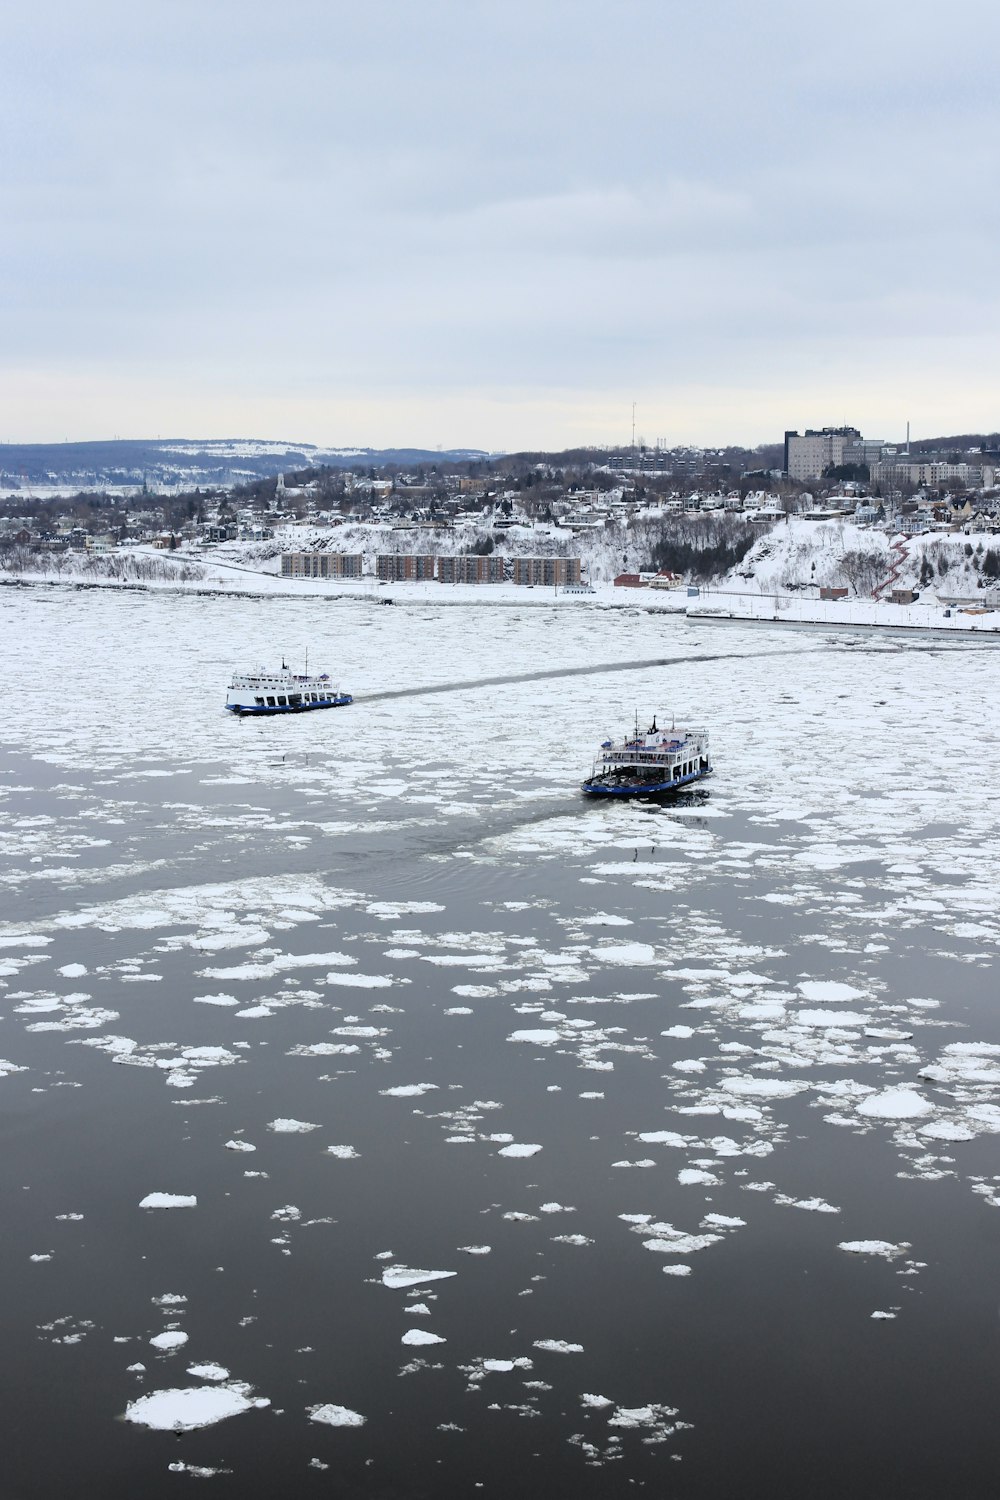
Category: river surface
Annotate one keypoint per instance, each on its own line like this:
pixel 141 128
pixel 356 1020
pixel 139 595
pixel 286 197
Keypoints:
pixel 494 1142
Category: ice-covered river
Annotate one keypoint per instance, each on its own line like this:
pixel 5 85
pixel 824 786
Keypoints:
pixel 379 1119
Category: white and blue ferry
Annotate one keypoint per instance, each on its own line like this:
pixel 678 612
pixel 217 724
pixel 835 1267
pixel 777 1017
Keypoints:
pixel 284 692
pixel 645 765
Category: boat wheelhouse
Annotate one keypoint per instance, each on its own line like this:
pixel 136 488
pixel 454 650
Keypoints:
pixel 284 692
pixel 645 765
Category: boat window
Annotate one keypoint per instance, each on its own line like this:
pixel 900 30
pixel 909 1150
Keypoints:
pixel 270 702
pixel 282 701
pixel 259 702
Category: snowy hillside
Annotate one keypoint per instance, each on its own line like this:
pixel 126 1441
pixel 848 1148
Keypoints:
pixel 604 551
pixel 802 555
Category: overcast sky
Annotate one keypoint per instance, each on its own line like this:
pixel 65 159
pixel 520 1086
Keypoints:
pixel 497 223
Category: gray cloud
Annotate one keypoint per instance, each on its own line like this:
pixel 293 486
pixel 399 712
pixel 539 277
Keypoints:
pixel 533 207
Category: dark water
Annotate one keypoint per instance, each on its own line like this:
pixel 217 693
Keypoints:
pixel 767 1349
pixel 814 931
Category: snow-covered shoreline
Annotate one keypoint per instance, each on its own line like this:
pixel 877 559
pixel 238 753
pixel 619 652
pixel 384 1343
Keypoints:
pixel 779 581
pixel 718 607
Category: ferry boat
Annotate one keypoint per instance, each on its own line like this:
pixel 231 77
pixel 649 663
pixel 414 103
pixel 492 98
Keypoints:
pixel 645 765
pixel 284 692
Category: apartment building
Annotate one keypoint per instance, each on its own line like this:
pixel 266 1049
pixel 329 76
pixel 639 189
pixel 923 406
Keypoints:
pixel 405 567
pixel 546 571
pixel 491 569
pixel 321 565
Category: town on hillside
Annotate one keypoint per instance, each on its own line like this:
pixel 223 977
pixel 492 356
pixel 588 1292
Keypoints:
pixel 639 516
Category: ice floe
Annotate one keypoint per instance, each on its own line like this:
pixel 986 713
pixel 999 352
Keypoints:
pixel 184 1409
pixel 404 1276
pixel 335 1416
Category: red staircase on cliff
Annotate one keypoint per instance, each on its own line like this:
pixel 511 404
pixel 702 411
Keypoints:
pixel 899 547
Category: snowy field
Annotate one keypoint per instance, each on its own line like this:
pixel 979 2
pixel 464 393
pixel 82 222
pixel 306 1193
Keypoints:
pixel 381 1117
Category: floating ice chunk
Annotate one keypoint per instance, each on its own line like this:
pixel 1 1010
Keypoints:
pixel 653 1416
pixel 679 1244
pixel 664 1138
pixel 519 1150
pixel 555 1208
pixel 276 965
pixel 408 1090
pixel 540 1038
pixel 679 1270
pixel 826 990
pixel 198 1470
pixel 645 1161
pixel 336 1416
pixel 343 1153
pixel 402 1276
pixel 896 1104
pixel 476 1249
pixel 625 953
pixel 184 1410
pixel 239 1146
pixel 324 1049
pixel 694 1177
pixel 73 971
pixel 362 981
pixel 255 1013
pixel 883 1315
pixel 885 1248
pixel 215 1000
pixel 595 1401
pixel 557 1346
pixel 947 1130
pixel 172 1339
pixel 571 1239
pixel 721 1221
pixel 828 1018
pixel 291 1127
pixel 678 1031
pixel 421 1336
pixel 208 1372
pixel 458 1010
pixel 169 1200
pixel 764 1088
pixel 811 1205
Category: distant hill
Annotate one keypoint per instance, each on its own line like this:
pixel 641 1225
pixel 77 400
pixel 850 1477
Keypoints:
pixel 201 461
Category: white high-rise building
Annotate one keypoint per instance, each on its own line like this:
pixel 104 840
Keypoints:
pixel 808 455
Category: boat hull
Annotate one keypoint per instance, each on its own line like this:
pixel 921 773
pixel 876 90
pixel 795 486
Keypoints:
pixel 248 710
pixel 623 788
